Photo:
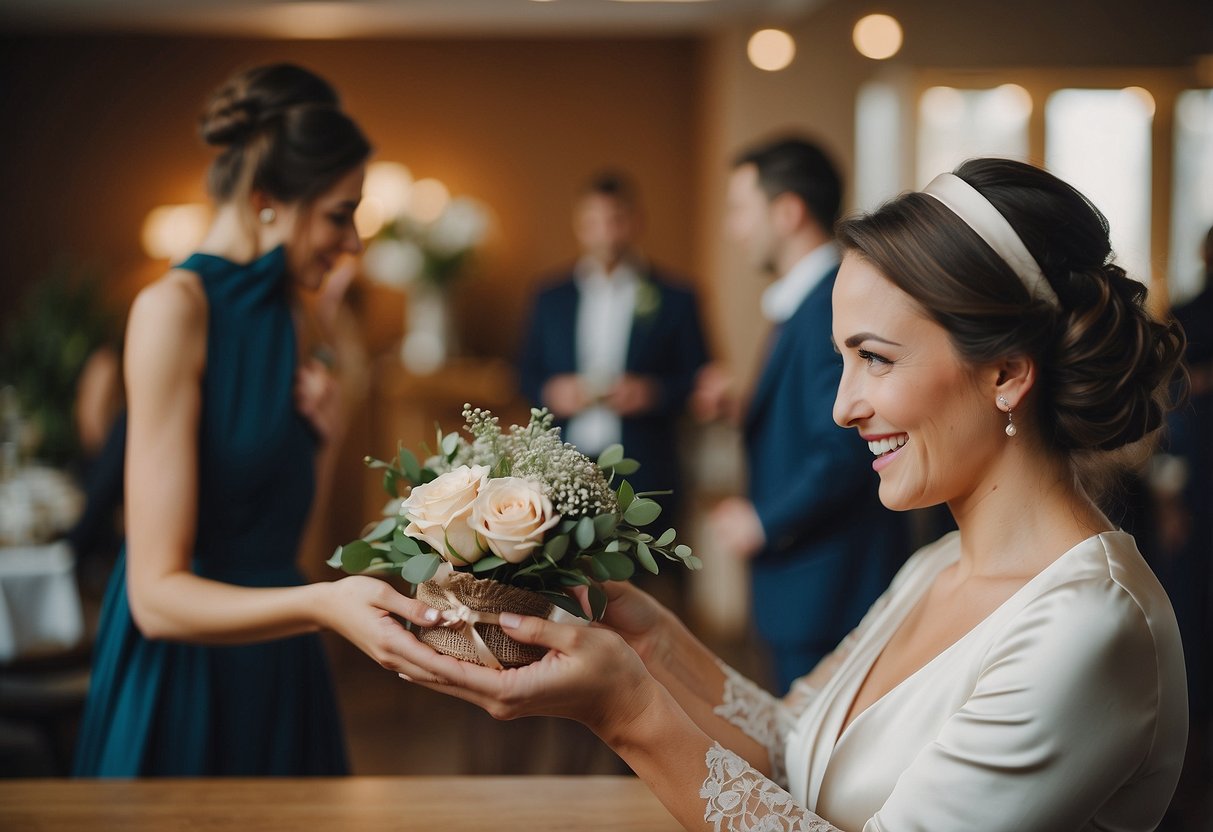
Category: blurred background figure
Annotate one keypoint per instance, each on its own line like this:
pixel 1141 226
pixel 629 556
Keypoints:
pixel 1182 485
pixel 822 546
pixel 614 343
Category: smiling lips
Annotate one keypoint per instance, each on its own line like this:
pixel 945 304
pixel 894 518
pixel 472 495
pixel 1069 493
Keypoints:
pixel 888 444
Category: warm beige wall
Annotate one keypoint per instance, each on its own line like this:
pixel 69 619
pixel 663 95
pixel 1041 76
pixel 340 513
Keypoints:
pixel 101 129
pixel 817 93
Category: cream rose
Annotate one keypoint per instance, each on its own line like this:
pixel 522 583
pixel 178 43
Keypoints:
pixel 512 515
pixel 439 512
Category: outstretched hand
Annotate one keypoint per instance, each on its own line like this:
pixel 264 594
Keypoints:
pixel 589 674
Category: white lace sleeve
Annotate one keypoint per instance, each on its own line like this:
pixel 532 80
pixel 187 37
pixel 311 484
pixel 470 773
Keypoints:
pixel 767 719
pixel 740 799
pixel 762 717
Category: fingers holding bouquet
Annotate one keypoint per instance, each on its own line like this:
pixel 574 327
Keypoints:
pixel 516 519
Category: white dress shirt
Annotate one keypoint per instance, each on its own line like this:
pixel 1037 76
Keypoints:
pixel 605 310
pixel 783 297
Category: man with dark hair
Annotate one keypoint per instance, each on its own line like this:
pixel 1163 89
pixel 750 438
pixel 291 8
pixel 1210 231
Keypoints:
pixel 613 344
pixel 822 546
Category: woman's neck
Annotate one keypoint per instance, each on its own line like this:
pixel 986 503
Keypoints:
pixel 1024 514
pixel 229 236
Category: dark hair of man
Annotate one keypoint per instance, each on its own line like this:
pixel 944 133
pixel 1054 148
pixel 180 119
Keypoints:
pixel 798 166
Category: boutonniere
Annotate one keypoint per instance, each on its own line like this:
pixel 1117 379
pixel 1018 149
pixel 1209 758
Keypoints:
pixel 648 300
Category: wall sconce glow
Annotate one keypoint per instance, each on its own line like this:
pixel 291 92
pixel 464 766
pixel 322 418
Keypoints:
pixel 428 200
pixel 385 194
pixel 877 36
pixel 1142 95
pixel 771 49
pixel 172 232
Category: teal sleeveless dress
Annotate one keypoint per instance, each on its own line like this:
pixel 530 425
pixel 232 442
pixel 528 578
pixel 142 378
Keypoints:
pixel 175 709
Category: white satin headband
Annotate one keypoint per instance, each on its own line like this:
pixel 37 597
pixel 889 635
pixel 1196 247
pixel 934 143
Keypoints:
pixel 966 202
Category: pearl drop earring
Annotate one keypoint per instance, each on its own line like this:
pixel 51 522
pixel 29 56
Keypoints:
pixel 267 216
pixel 1006 405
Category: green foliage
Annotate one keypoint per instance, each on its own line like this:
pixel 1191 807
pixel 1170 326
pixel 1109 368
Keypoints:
pixel 579 551
pixel 62 319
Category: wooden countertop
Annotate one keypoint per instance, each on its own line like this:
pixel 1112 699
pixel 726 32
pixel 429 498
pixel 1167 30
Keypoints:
pixel 356 804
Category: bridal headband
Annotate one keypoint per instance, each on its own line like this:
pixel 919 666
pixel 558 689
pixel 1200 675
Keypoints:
pixel 966 202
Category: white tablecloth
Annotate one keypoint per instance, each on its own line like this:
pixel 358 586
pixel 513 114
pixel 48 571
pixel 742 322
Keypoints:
pixel 39 601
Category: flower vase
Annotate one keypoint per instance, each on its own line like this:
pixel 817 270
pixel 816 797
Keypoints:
pixel 429 328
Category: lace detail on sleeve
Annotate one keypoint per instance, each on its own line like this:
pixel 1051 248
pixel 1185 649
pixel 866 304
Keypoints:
pixel 762 717
pixel 739 799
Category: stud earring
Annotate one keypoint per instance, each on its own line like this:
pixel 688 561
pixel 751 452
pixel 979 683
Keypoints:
pixel 1006 405
pixel 267 215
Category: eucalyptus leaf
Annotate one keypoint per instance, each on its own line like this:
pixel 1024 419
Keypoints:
pixel 682 550
pixel 390 478
pixel 585 532
pixel 566 603
pixel 604 524
pixel 356 556
pixel 555 548
pixel 428 475
pixel 566 526
pixel 667 537
pixel 384 528
pixel 627 467
pixel 421 568
pixel 646 558
pixel 598 602
pixel 625 495
pixel 406 545
pixel 611 457
pixel 450 443
pixel 409 465
pixel 599 571
pixel 618 565
pixel 642 512
pixel 371 462
pixel 488 563
pixel 694 562
pixel 613 546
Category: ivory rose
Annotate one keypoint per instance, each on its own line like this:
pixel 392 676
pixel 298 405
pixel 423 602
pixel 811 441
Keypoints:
pixel 512 515
pixel 439 512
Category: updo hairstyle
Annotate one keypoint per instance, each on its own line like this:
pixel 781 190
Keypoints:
pixel 282 132
pixel 1105 366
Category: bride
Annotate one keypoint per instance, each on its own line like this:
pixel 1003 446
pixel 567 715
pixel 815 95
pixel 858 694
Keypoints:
pixel 1022 673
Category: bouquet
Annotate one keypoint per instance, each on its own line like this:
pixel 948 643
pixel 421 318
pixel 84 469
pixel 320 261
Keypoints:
pixel 509 520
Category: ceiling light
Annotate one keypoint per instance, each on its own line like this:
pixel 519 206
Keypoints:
pixel 877 36
pixel 771 49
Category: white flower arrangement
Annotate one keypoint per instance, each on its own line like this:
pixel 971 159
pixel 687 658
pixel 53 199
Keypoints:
pixel 520 507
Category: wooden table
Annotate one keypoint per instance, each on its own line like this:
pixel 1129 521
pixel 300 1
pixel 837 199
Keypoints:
pixel 350 804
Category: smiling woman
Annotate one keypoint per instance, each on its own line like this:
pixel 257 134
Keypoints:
pixel 1024 672
pixel 225 420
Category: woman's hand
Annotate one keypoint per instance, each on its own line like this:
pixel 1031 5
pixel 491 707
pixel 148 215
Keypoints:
pixel 318 398
pixel 589 674
pixel 362 609
pixel 637 616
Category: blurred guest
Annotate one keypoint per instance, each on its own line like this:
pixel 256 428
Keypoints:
pixel 207 662
pixel 614 344
pixel 822 546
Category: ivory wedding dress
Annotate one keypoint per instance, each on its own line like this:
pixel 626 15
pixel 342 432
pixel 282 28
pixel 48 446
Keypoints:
pixel 1065 709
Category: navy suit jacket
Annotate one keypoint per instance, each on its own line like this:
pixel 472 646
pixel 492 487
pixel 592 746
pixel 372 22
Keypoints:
pixel 666 345
pixel 832 548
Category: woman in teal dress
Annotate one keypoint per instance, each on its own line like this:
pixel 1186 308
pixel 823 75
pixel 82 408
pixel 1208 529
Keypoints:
pixel 207 662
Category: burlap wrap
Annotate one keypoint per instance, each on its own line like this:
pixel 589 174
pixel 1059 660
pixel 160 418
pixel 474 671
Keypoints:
pixel 482 595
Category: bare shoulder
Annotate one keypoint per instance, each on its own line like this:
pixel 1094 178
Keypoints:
pixel 168 321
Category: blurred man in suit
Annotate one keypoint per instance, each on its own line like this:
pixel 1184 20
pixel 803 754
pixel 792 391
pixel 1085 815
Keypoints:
pixel 613 343
pixel 822 546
